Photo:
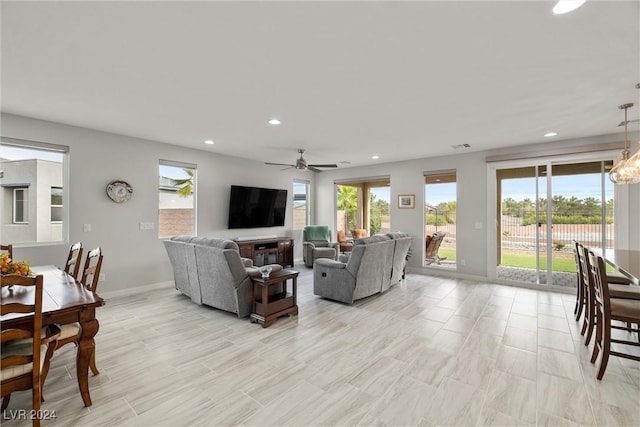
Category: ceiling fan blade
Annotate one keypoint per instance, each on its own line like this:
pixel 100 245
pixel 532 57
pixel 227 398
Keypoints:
pixel 279 164
pixel 324 166
pixel 313 168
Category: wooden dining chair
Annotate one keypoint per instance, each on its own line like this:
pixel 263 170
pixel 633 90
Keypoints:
pixel 25 353
pixel 90 277
pixel 617 287
pixel 609 309
pixel 8 249
pixel 73 260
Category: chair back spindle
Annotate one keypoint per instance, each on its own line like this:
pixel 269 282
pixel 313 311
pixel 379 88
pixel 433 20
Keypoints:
pixel 74 257
pixel 91 270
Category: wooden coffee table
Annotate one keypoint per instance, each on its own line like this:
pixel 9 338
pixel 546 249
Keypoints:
pixel 267 308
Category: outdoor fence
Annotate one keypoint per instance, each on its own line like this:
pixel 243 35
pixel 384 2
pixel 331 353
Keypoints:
pixel 518 233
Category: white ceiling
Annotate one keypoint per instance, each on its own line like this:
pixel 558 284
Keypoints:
pixel 347 79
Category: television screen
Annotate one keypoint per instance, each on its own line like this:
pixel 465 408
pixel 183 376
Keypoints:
pixel 253 207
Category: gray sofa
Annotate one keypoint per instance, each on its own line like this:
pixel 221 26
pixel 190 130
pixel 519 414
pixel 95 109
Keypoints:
pixel 367 271
pixel 211 272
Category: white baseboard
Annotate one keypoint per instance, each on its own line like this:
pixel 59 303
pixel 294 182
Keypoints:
pixel 136 290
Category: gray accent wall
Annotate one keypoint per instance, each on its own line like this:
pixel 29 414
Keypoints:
pixel 135 257
pixel 473 195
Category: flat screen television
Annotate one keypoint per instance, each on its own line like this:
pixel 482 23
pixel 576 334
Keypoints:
pixel 254 207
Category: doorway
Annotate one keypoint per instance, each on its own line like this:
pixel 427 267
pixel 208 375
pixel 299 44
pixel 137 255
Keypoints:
pixel 541 209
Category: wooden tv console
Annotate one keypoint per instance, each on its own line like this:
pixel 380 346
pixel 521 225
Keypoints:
pixel 274 250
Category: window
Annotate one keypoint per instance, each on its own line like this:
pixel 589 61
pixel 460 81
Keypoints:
pixel 301 211
pixel 364 205
pixel 56 204
pixel 20 209
pixel 34 176
pixel 177 199
pixel 440 219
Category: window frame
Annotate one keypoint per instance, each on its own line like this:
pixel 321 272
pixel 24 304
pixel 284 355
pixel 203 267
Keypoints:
pixel 307 214
pixel 194 194
pixel 61 228
pixel 60 206
pixel 25 205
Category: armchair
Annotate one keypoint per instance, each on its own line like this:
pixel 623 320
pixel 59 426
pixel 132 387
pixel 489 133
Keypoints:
pixel 433 244
pixel 359 233
pixel 316 241
pixel 346 245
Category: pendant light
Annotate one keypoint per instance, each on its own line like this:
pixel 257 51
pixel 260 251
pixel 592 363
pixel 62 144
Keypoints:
pixel 633 164
pixel 622 173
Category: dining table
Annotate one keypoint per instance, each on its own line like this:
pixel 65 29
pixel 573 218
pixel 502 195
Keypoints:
pixel 64 300
pixel 625 261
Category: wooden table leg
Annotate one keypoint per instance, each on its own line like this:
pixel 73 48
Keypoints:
pixel 86 348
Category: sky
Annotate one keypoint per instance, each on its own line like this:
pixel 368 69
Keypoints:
pixel 14 153
pixel 580 186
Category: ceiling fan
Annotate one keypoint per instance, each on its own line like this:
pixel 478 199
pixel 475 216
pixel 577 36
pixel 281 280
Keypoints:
pixel 301 164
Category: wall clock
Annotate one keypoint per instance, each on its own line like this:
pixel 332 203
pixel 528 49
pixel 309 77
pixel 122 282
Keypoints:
pixel 119 191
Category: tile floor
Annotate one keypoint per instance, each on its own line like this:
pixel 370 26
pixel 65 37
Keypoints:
pixel 430 351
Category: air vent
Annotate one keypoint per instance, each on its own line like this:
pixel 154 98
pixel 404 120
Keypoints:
pixel 629 122
pixel 459 146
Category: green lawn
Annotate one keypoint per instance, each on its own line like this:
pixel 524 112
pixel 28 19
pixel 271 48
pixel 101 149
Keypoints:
pixel 449 253
pixel 519 260
pixel 529 261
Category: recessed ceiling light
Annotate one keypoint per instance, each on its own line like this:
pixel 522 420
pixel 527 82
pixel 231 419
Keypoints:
pixel 375 157
pixel 547 135
pixel 209 142
pixel 566 6
pixel 274 122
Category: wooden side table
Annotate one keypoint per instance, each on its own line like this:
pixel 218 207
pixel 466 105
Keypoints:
pixel 267 308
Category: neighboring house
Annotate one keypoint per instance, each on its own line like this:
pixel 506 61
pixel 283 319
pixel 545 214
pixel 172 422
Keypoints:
pixel 32 201
pixel 175 215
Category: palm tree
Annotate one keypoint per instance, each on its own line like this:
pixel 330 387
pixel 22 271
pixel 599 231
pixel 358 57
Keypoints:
pixel 348 202
pixel 186 184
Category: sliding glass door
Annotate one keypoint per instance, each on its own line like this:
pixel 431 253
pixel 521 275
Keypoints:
pixel 541 208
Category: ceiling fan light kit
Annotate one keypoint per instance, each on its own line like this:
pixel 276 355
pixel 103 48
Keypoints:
pixel 302 165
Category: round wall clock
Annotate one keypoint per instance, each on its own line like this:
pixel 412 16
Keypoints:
pixel 119 191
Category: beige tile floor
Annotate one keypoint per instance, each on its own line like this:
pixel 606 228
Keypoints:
pixel 430 351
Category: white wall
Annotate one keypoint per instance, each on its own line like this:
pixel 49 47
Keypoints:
pixel 471 169
pixel 408 178
pixel 134 257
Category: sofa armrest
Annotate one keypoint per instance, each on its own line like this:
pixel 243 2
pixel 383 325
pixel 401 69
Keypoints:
pixel 248 262
pixel 332 280
pixel 329 263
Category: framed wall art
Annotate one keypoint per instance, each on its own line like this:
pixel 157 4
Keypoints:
pixel 406 201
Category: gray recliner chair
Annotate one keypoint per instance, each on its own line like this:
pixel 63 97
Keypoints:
pixel 316 241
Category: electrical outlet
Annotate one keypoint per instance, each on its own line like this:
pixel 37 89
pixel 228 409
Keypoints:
pixel 146 226
pixel 463 262
pixel 103 277
pixel 86 228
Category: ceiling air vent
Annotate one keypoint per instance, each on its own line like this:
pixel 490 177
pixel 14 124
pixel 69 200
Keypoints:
pixel 459 146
